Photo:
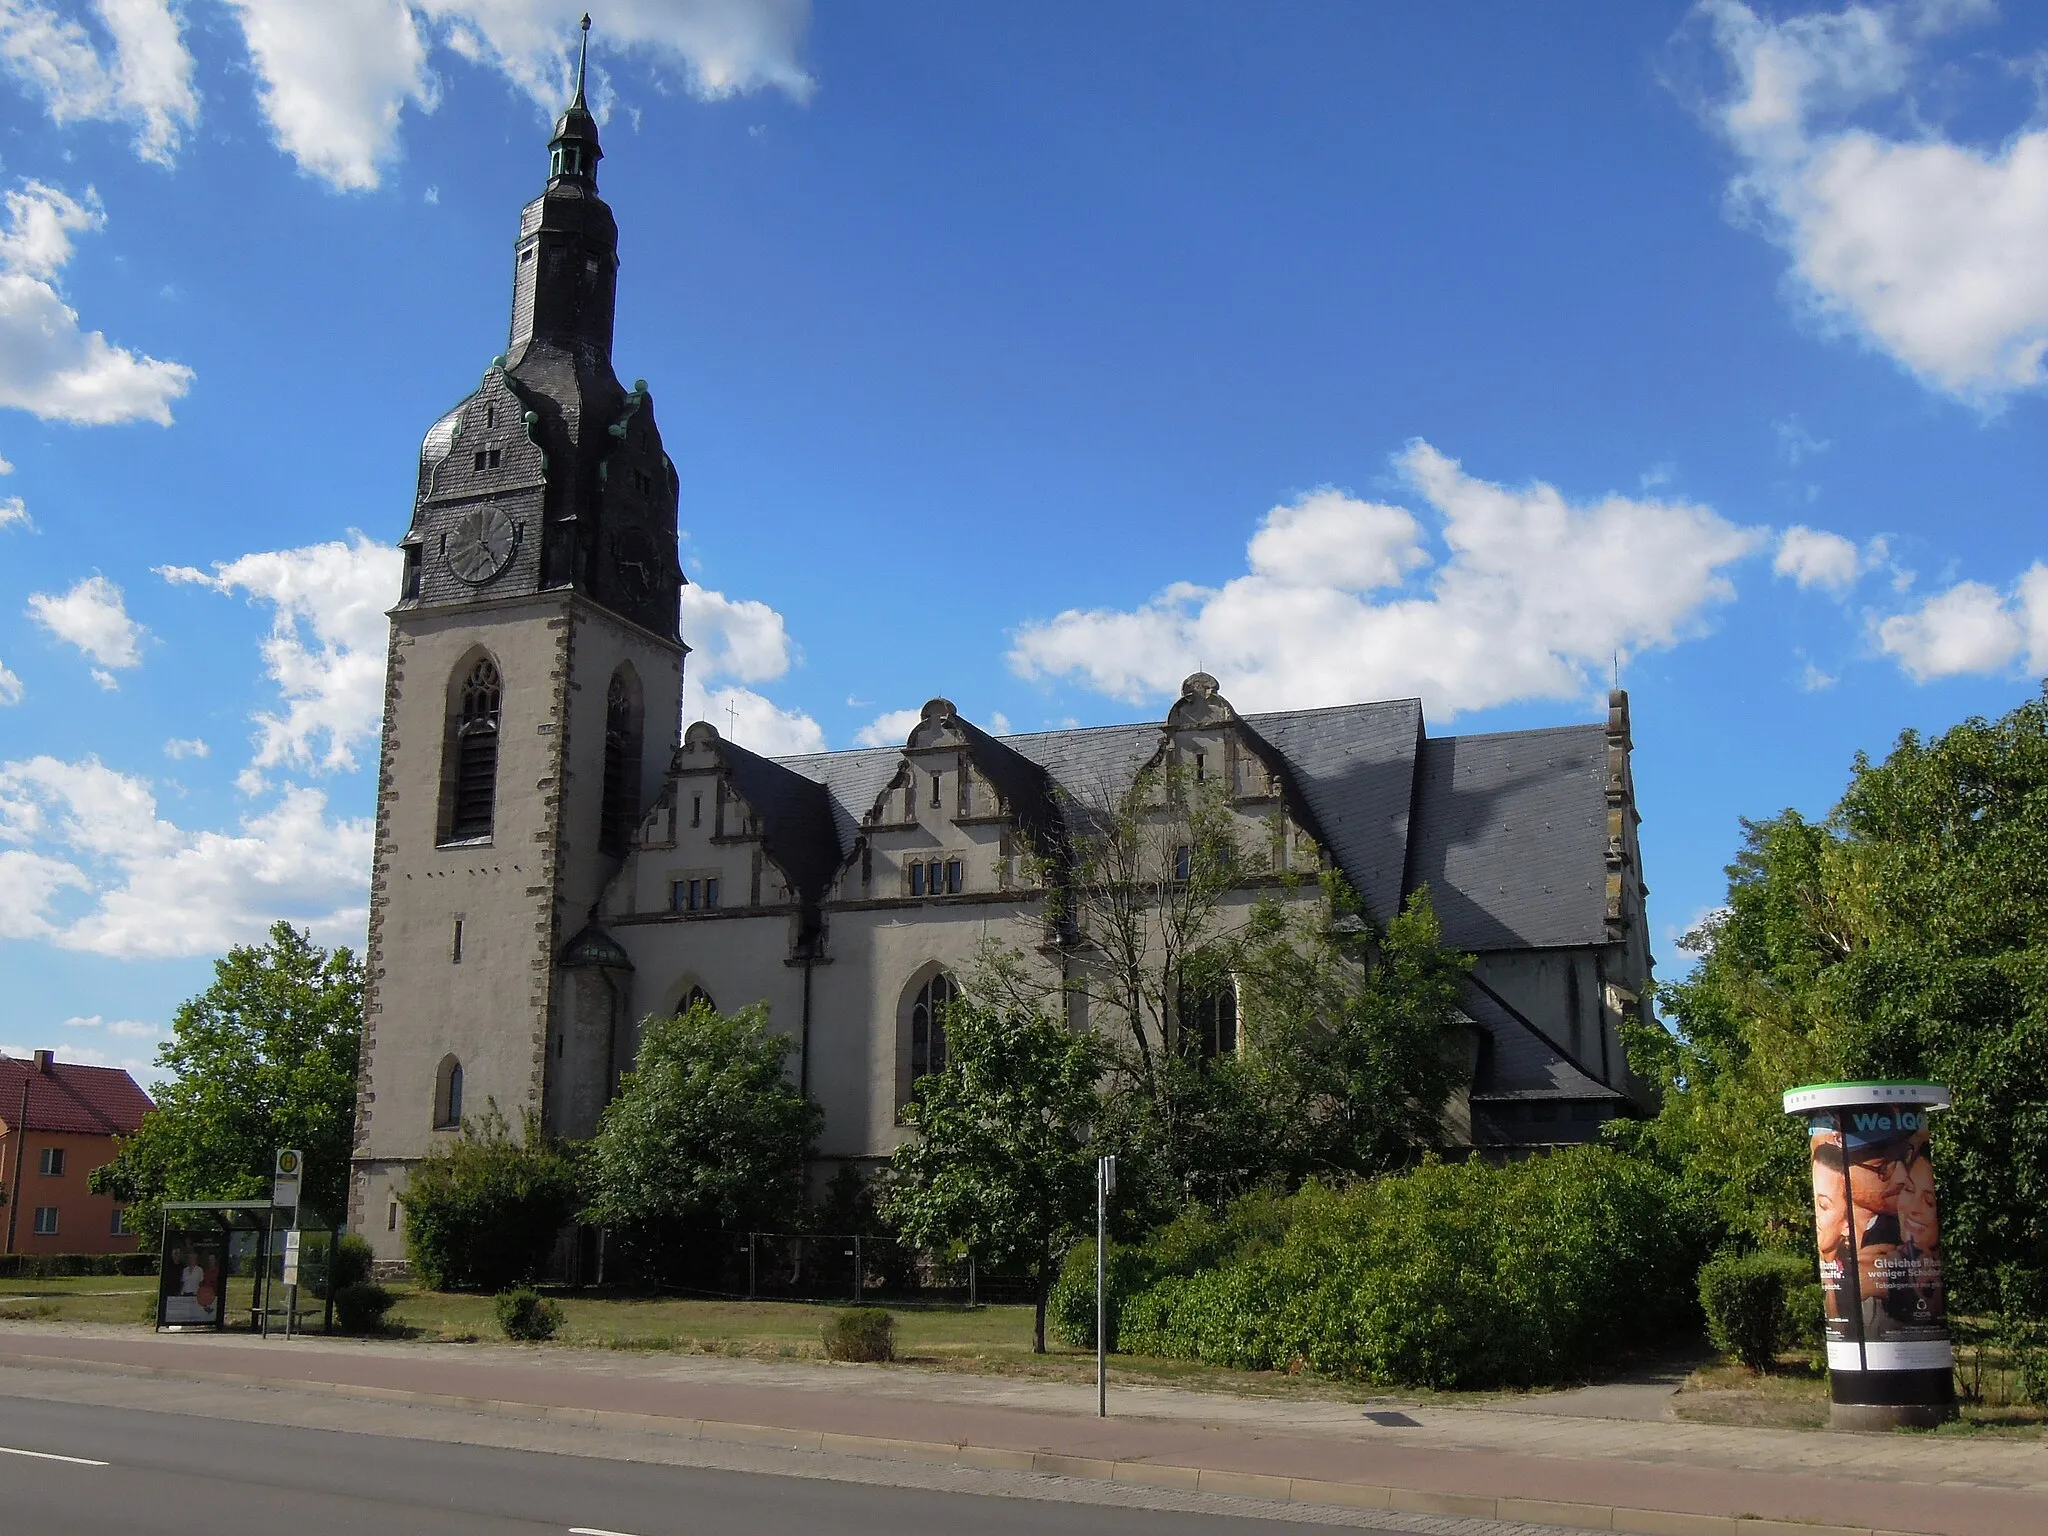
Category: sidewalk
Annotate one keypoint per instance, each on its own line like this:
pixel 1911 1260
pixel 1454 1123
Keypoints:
pixel 1655 1478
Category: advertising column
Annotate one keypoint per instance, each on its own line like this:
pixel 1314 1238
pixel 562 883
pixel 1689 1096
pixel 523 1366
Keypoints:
pixel 1878 1229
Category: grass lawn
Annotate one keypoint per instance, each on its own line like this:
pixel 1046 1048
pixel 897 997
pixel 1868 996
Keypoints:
pixel 80 1299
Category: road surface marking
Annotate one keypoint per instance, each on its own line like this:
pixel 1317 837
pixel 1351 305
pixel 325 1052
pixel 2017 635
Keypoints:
pixel 591 1530
pixel 76 1461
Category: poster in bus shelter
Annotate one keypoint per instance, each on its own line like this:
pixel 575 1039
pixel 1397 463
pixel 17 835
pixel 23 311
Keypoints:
pixel 194 1280
pixel 1879 1234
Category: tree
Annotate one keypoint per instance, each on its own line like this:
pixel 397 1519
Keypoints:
pixel 1353 1045
pixel 1905 936
pixel 707 1133
pixel 264 1058
pixel 483 1211
pixel 1001 1167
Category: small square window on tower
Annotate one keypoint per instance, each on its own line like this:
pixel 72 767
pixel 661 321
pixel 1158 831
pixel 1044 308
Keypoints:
pixel 479 462
pixel 491 458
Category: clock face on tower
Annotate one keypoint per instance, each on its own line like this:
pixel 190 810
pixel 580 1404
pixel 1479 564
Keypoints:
pixel 479 544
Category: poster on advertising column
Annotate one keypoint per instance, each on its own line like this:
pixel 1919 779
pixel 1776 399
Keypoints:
pixel 1877 1232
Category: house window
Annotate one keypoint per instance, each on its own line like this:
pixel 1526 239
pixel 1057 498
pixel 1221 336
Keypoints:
pixel 700 895
pixel 51 1164
pixel 448 1095
pixel 46 1221
pixel 928 1026
pixel 1183 862
pixel 1208 1022
pixel 119 1226
pixel 952 877
pixel 917 878
pixel 490 416
pixel 475 767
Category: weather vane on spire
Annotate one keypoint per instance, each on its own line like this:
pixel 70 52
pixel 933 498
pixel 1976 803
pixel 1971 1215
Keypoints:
pixel 582 56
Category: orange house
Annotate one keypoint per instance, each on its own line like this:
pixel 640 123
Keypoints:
pixel 57 1124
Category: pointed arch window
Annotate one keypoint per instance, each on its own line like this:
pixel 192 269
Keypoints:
pixel 448 1095
pixel 621 807
pixel 928 1025
pixel 473 771
pixel 695 996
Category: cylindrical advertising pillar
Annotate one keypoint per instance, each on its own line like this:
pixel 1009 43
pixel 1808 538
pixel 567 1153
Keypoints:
pixel 1879 1234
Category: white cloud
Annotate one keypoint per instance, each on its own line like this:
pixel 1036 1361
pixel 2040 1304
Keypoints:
pixel 732 637
pixel 1535 598
pixel 1814 680
pixel 1815 558
pixel 889 730
pixel 145 81
pixel 159 889
pixel 48 366
pixel 14 510
pixel 10 687
pixel 179 747
pixel 335 76
pixel 1927 248
pixel 1972 628
pixel 332 680
pixel 757 724
pixel 130 1029
pixel 93 617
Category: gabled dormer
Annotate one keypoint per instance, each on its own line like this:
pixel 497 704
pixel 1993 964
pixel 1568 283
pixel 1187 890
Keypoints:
pixel 964 815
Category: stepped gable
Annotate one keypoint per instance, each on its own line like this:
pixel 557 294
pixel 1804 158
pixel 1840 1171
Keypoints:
pixel 1526 804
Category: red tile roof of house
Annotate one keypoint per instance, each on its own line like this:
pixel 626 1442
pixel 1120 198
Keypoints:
pixel 91 1101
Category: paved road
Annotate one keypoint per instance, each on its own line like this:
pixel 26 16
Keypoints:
pixel 171 1475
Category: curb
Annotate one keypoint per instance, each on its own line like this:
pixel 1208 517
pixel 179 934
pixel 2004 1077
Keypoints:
pixel 1250 1485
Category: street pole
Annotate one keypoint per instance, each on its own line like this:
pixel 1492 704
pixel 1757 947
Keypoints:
pixel 1105 1181
pixel 20 1151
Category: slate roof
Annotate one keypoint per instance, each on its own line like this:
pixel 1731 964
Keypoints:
pixel 89 1101
pixel 1511 837
pixel 1508 830
pixel 1519 1061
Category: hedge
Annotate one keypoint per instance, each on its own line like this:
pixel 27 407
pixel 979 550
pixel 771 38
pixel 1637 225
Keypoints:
pixel 1452 1276
pixel 54 1266
pixel 1757 1304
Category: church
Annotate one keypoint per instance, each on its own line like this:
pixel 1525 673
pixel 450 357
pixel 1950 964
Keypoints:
pixel 557 859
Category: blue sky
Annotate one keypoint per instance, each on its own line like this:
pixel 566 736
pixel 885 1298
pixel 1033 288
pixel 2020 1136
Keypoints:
pixel 1035 355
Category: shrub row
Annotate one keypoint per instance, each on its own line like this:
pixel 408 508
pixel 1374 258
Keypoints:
pixel 54 1266
pixel 1451 1276
pixel 1759 1303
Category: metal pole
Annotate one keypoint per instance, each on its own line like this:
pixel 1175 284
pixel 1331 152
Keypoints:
pixel 856 1269
pixel 750 1266
pixel 20 1152
pixel 1105 1181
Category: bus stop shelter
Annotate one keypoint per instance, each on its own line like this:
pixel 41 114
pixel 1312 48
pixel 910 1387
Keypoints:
pixel 279 1258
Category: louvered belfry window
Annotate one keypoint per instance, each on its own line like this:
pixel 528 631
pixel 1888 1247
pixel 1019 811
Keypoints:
pixel 621 807
pixel 476 754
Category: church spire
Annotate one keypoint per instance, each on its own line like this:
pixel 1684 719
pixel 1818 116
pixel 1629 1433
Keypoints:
pixel 573 152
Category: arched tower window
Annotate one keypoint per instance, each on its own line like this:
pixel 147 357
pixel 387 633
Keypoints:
pixel 695 996
pixel 473 751
pixel 621 807
pixel 448 1095
pixel 928 1025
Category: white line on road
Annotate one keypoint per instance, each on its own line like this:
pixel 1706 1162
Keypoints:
pixel 76 1461
pixel 591 1530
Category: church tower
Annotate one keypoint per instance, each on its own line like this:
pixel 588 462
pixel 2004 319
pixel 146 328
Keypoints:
pixel 531 699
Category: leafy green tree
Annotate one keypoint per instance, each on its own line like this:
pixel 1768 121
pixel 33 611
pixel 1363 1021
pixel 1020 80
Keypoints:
pixel 484 1209
pixel 1353 1049
pixel 1001 1168
pixel 1905 936
pixel 707 1133
pixel 264 1058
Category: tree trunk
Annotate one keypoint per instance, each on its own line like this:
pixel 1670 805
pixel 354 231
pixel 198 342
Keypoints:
pixel 1038 1320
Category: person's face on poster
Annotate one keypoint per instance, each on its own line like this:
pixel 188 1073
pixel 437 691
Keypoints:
pixel 1919 1220
pixel 1875 1179
pixel 1830 1211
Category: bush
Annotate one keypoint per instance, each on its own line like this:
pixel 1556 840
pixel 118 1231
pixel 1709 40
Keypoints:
pixel 1070 1309
pixel 1454 1275
pixel 528 1316
pixel 53 1266
pixel 860 1333
pixel 484 1212
pixel 1747 1301
pixel 360 1308
pixel 1806 1316
pixel 351 1262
